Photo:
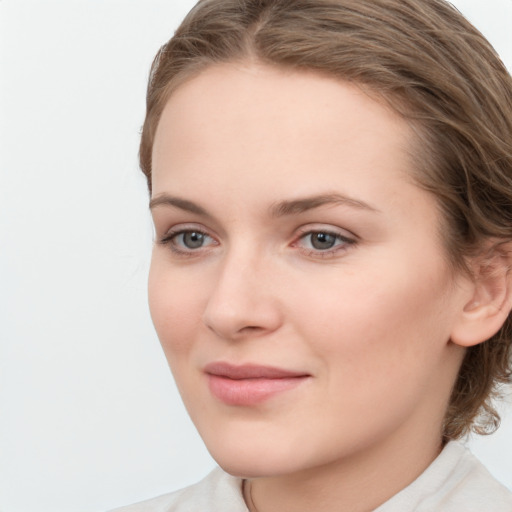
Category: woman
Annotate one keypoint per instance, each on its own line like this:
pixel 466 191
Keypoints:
pixel 331 187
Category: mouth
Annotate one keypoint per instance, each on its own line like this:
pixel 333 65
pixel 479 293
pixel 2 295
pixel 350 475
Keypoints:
pixel 246 385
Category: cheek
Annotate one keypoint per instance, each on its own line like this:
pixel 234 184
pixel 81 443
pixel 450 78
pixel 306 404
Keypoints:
pixel 175 307
pixel 380 344
pixel 373 324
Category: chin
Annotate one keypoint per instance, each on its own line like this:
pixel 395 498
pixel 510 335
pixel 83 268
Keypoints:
pixel 253 465
pixel 254 456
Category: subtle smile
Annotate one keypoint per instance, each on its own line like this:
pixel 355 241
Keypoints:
pixel 247 385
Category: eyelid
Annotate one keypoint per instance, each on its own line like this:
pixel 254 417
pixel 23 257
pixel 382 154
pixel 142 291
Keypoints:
pixel 326 228
pixel 179 229
pixel 347 238
pixel 344 240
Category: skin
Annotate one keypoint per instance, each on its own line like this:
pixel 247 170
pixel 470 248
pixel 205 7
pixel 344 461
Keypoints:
pixel 371 320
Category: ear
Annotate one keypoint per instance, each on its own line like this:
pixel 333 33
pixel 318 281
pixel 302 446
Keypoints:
pixel 489 299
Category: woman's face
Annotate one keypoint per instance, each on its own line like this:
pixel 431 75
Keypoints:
pixel 298 283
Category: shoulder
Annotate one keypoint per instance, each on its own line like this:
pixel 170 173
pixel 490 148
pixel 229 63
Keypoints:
pixel 215 490
pixel 455 481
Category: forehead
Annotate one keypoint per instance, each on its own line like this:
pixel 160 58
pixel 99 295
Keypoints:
pixel 254 117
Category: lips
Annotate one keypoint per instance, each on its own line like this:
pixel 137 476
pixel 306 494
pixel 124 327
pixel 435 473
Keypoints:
pixel 249 384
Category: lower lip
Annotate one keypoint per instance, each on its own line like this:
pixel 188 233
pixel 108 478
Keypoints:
pixel 247 392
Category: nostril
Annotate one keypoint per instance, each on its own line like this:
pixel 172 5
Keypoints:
pixel 243 315
pixel 237 333
pixel 250 328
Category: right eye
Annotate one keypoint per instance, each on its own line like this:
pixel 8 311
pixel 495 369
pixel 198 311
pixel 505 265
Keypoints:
pixel 186 241
pixel 191 239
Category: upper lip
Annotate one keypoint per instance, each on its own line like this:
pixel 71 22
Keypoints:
pixel 250 371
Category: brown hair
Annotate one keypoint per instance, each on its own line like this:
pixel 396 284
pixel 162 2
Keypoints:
pixel 436 70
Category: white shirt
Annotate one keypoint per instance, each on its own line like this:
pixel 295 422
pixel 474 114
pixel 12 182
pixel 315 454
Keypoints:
pixel 455 482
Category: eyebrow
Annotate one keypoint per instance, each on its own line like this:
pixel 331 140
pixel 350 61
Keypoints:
pixel 280 209
pixel 297 206
pixel 177 202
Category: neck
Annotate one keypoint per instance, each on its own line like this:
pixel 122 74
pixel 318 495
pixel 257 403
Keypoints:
pixel 358 483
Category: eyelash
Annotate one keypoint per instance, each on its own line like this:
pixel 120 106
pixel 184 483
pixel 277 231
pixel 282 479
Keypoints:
pixel 344 242
pixel 169 240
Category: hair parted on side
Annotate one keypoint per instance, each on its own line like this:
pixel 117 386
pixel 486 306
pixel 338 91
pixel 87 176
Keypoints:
pixel 431 66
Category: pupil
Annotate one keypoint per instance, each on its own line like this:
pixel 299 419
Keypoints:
pixel 193 240
pixel 323 240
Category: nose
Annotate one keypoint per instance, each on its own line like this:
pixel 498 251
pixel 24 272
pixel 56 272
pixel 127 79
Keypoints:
pixel 243 301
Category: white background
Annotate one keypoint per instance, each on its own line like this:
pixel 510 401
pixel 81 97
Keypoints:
pixel 89 415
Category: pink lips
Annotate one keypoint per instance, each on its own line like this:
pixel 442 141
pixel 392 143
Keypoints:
pixel 249 384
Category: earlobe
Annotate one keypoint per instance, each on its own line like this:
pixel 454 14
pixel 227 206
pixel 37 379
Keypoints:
pixel 490 299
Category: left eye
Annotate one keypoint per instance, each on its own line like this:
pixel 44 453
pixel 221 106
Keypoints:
pixel 323 240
